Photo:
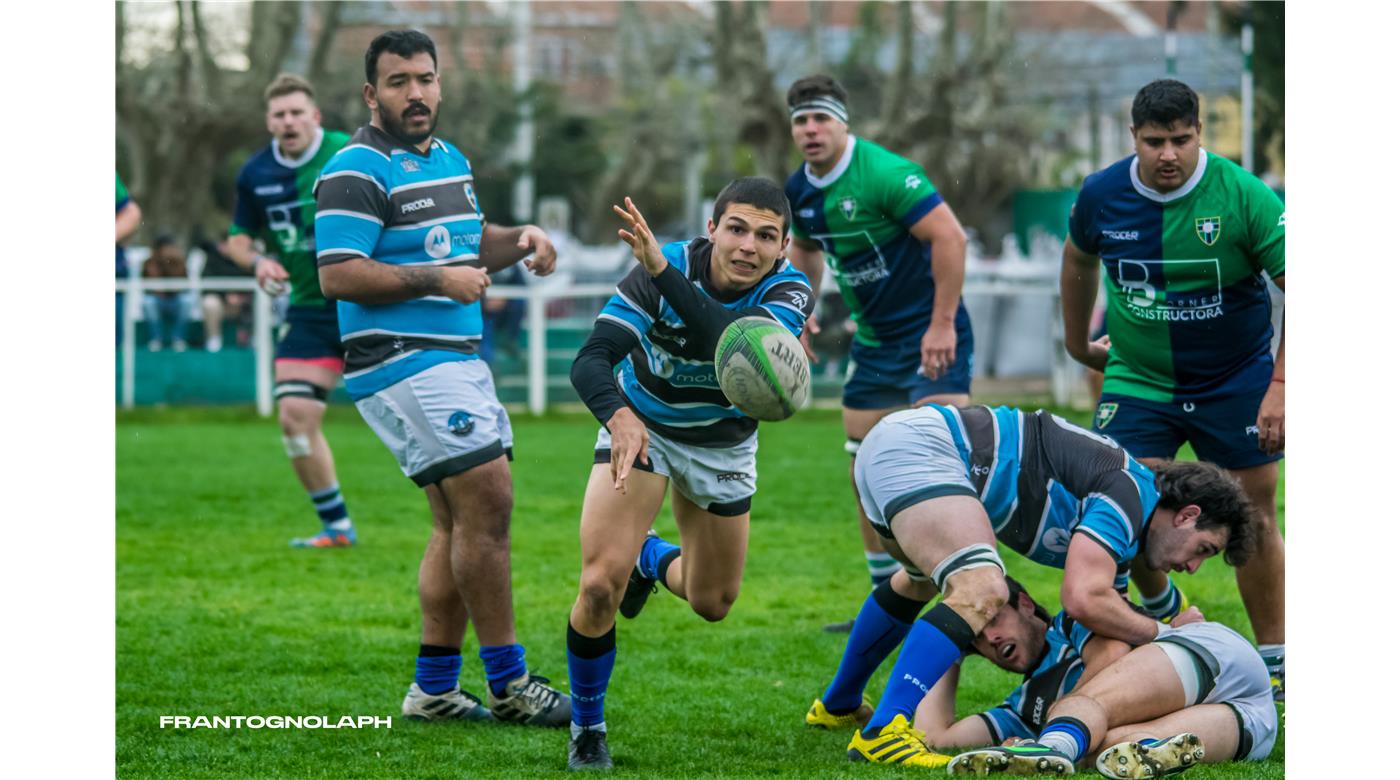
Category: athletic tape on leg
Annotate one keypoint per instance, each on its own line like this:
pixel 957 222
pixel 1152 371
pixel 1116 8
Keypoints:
pixel 969 557
pixel 298 446
pixel 852 447
pixel 295 388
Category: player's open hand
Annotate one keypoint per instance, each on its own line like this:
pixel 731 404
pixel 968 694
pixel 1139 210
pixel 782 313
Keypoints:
pixel 810 328
pixel 465 283
pixel 638 236
pixel 1270 420
pixel 629 442
pixel 537 243
pixel 938 349
pixel 1191 614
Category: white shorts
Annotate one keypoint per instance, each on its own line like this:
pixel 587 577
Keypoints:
pixel 909 457
pixel 722 481
pixel 1229 672
pixel 440 422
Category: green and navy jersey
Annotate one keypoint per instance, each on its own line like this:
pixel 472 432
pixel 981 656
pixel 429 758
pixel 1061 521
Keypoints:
pixel 1025 711
pixel 861 212
pixel 1043 480
pixel 1188 312
pixel 668 379
pixel 277 203
pixel 380 199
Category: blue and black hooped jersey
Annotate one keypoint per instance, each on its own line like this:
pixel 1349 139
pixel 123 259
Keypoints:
pixel 1043 479
pixel 1024 713
pixel 668 380
pixel 380 199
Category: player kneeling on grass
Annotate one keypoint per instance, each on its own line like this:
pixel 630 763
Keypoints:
pixel 666 421
pixel 1197 693
pixel 935 483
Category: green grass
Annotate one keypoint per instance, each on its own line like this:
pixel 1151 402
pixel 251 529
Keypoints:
pixel 217 616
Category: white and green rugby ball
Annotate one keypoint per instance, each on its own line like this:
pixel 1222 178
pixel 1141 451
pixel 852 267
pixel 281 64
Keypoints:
pixel 762 369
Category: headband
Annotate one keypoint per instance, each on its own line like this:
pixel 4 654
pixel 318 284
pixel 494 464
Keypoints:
pixel 824 104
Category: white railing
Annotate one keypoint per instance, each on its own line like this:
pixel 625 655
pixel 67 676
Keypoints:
pixel 1012 276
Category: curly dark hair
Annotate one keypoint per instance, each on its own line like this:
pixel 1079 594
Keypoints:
pixel 1015 588
pixel 1222 501
pixel 815 86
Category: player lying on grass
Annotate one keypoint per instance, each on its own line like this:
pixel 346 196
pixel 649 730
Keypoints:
pixel 942 485
pixel 647 373
pixel 1197 693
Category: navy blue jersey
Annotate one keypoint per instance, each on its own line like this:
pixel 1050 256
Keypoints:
pixel 380 199
pixel 667 379
pixel 1024 711
pixel 1043 479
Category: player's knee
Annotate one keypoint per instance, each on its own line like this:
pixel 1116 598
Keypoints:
pixel 973 595
pixel 600 591
pixel 713 607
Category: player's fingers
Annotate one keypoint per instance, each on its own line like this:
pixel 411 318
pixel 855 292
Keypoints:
pixel 628 237
pixel 621 212
pixel 806 343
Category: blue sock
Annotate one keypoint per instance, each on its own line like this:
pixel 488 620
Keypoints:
pixel 503 664
pixel 934 644
pixel 590 668
pixel 437 668
pixel 1067 735
pixel 330 506
pixel 653 550
pixel 883 622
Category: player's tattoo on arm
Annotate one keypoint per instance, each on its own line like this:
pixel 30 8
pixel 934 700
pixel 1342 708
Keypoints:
pixel 419 281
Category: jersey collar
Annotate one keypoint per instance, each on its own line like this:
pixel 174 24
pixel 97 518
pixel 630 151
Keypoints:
pixel 821 182
pixel 305 157
pixel 1176 194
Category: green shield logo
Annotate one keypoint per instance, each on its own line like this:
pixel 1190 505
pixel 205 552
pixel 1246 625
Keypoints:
pixel 848 207
pixel 1208 230
pixel 1105 415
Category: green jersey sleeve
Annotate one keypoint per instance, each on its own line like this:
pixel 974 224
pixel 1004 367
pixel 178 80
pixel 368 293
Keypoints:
pixel 121 191
pixel 1264 213
pixel 905 193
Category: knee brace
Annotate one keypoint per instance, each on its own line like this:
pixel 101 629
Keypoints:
pixel 298 446
pixel 298 388
pixel 969 557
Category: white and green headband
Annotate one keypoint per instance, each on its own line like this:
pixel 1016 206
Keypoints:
pixel 820 105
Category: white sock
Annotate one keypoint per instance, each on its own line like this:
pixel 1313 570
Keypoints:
pixel 575 729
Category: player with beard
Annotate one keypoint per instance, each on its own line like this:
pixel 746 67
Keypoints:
pixel 404 250
pixel 647 373
pixel 276 204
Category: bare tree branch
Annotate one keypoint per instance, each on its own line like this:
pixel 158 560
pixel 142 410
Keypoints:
pixel 213 81
pixel 330 24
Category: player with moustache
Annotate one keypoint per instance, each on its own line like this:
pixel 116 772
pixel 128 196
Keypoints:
pixel 647 374
pixel 404 249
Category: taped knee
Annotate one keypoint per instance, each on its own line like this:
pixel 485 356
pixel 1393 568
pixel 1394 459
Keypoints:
pixel 298 446
pixel 970 557
pixel 296 388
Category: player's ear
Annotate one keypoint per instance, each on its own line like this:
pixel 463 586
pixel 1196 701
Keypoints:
pixel 710 228
pixel 1186 515
pixel 371 99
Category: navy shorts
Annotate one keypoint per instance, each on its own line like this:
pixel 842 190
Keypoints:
pixel 890 375
pixel 1223 431
pixel 311 335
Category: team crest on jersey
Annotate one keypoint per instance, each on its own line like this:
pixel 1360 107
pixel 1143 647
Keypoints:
pixel 1208 229
pixel 1105 415
pixel 471 197
pixel 408 164
pixel 848 207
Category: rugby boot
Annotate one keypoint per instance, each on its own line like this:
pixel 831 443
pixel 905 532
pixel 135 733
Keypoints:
pixel 529 700
pixel 1151 758
pixel 897 743
pixel 819 717
pixel 455 704
pixel 1028 758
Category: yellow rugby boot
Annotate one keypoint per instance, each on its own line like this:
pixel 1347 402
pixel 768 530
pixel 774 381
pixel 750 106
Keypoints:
pixel 897 743
pixel 818 717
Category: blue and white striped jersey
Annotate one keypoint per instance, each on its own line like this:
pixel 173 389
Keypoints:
pixel 1022 714
pixel 1043 479
pixel 669 380
pixel 380 199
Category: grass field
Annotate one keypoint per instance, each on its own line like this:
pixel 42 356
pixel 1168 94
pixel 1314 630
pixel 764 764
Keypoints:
pixel 216 615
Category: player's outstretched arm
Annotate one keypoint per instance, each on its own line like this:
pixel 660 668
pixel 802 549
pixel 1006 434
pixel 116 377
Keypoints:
pixel 1088 596
pixel 936 717
pixel 807 255
pixel 502 247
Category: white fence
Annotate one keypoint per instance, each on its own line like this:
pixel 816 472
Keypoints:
pixel 1013 301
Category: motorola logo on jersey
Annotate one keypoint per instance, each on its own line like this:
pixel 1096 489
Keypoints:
pixel 438 242
pixel 1056 540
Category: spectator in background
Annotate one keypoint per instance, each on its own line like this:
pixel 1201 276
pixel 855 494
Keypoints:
pixel 502 318
pixel 128 220
pixel 167 261
pixel 229 303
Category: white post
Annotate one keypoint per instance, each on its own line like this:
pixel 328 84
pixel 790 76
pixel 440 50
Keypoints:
pixel 131 304
pixel 523 151
pixel 1247 99
pixel 262 350
pixel 535 322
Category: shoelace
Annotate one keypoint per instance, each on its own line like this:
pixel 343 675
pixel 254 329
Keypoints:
pixel 537 694
pixel 590 744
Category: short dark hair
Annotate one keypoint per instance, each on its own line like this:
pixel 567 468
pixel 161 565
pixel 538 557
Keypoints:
pixel 1165 102
pixel 286 84
pixel 1015 588
pixel 404 43
pixel 1222 501
pixel 163 240
pixel 815 86
pixel 758 192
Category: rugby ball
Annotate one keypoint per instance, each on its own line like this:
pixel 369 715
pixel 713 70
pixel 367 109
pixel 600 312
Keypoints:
pixel 762 369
